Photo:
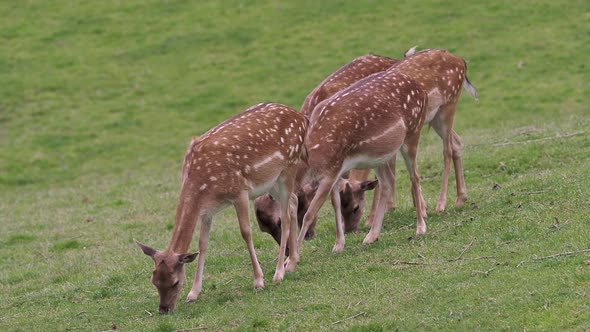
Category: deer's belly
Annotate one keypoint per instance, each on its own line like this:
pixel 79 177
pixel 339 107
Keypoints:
pixel 257 189
pixel 366 161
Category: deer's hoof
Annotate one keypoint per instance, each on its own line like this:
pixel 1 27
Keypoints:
pixel 191 297
pixel 440 207
pixel 338 247
pixel 259 284
pixel 421 229
pixel 291 264
pixel 277 278
pixel 460 201
pixel 370 239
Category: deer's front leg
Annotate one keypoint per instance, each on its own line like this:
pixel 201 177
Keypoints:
pixel 293 260
pixel 377 193
pixel 340 239
pixel 385 190
pixel 285 189
pixel 203 242
pixel 243 212
pixel 316 203
pixel 409 153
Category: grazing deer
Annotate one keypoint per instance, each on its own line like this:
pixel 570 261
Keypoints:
pixel 441 75
pixel 268 212
pixel 364 126
pixel 252 153
pixel 353 195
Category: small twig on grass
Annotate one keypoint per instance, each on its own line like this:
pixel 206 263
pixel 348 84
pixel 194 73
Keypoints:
pixel 567 253
pixel 43 254
pixel 478 258
pixel 485 273
pixel 539 139
pixel 348 318
pixel 227 282
pixel 397 261
pixel 400 262
pixel 149 313
pixel 530 192
pixel 81 313
pixel 467 247
pixel 191 329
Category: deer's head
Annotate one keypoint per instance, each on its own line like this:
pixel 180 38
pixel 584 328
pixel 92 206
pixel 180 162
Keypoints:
pixel 168 275
pixel 352 201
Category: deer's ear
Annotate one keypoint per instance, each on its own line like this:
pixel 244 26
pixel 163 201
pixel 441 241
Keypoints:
pixel 369 185
pixel 344 187
pixel 187 258
pixel 146 250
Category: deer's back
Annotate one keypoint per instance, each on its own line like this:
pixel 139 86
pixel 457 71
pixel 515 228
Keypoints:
pixel 370 113
pixel 439 73
pixel 344 77
pixel 247 151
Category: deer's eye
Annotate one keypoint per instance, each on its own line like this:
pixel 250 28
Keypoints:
pixel 176 284
pixel 356 208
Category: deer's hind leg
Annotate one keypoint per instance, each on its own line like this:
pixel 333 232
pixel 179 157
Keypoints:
pixel 243 212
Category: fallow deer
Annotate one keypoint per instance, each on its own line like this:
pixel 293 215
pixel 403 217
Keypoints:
pixel 268 213
pixel 364 126
pixel 353 194
pixel 252 153
pixel 441 75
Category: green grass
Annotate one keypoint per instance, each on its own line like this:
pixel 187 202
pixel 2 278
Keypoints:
pixel 100 98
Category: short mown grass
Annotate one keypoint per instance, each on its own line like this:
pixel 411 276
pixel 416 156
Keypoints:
pixel 100 98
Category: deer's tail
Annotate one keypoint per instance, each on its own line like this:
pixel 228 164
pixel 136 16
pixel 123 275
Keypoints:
pixel 468 86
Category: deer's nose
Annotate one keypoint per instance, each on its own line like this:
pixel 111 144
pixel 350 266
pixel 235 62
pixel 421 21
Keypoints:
pixel 163 310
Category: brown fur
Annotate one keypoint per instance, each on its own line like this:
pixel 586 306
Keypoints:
pixel 267 211
pixel 255 151
pixel 363 126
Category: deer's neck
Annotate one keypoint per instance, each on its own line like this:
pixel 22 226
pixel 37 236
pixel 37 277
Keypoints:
pixel 188 214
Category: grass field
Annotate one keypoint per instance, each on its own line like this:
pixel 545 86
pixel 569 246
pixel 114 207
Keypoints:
pixel 98 100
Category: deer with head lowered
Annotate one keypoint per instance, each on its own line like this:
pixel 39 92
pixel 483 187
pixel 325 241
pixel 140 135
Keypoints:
pixel 256 151
pixel 441 75
pixel 364 126
pixel 352 191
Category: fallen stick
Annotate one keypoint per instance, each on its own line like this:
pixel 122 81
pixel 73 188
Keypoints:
pixel 191 329
pixel 485 273
pixel 539 139
pixel 567 253
pixel 467 247
pixel 397 261
pixel 348 318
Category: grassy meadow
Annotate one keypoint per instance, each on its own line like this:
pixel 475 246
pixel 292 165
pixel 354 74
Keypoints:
pixel 98 100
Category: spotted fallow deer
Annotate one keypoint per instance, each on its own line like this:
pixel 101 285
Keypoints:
pixel 441 75
pixel 254 152
pixel 364 126
pixel 352 193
